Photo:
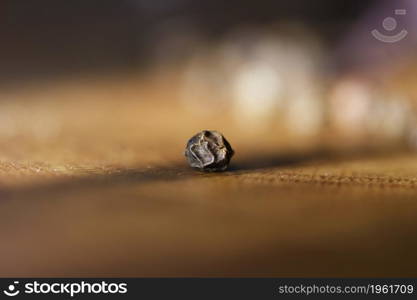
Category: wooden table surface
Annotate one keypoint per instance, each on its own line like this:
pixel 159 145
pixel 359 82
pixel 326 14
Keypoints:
pixel 93 182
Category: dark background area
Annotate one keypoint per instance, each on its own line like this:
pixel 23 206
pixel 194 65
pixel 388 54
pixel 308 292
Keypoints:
pixel 49 38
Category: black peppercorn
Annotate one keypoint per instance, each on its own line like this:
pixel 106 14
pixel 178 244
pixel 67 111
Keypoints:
pixel 208 151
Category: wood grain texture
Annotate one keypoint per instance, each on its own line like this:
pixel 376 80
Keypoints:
pixel 94 183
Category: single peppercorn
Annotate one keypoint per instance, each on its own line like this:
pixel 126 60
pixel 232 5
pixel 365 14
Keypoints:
pixel 208 151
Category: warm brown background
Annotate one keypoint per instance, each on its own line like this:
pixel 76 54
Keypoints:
pixel 93 181
pixel 92 186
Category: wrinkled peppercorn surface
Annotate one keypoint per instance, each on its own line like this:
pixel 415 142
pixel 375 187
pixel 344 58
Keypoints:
pixel 209 151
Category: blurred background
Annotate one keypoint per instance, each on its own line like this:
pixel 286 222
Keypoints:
pixel 311 71
pixel 98 97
